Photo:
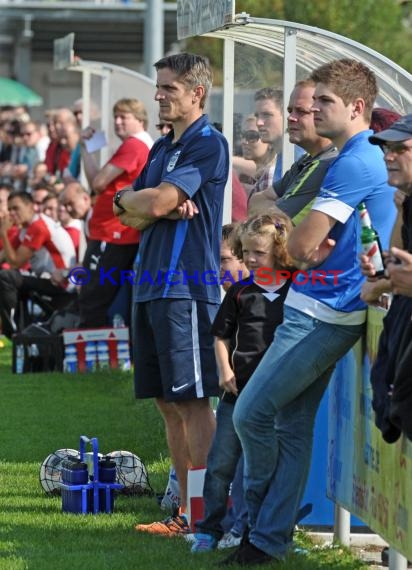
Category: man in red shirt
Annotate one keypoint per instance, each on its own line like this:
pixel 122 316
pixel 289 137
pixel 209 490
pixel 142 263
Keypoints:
pixel 112 246
pixel 43 244
pixel 13 231
pixel 57 156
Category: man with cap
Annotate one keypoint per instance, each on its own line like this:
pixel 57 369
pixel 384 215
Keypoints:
pixel 390 374
pixel 396 143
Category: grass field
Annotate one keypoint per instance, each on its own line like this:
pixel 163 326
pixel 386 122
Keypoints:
pixel 40 413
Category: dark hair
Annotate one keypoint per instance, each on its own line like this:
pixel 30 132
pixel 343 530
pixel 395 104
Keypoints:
pixel 349 79
pixel 276 95
pixel 24 196
pixel 191 69
pixel 6 186
pixel 43 185
pixel 227 230
pixel 13 127
pixel 163 124
pixel 50 196
pixel 382 119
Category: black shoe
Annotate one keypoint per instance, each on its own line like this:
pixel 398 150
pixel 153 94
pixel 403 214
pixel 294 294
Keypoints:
pixel 385 557
pixel 247 555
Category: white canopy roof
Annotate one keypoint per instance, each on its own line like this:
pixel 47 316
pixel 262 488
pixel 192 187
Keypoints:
pixel 313 47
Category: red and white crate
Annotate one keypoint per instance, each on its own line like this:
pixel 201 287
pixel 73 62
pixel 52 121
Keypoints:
pixel 80 337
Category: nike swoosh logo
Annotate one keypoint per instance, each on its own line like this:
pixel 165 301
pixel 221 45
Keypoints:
pixel 179 388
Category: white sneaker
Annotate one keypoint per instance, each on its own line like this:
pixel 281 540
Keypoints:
pixel 190 538
pixel 229 540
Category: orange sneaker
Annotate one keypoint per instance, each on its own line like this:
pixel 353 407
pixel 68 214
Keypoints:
pixel 174 525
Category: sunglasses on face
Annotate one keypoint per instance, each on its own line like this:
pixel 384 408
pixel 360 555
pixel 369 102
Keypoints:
pixel 250 136
pixel 396 148
pixel 161 126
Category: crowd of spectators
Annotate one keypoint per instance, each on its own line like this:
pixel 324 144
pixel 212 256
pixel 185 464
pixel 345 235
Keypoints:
pixel 42 204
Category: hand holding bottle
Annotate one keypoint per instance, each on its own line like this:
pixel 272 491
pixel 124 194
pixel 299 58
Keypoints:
pixel 372 260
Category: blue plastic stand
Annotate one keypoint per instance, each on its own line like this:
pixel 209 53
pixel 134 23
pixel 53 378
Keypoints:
pixel 94 485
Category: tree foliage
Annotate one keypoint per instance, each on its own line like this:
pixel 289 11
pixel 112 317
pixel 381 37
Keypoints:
pixel 379 24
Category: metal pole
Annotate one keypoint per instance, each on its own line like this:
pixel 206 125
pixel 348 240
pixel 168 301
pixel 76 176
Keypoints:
pixel 228 103
pixel 107 117
pixel 289 80
pixel 23 52
pixel 86 91
pixel 342 525
pixel 396 560
pixel 153 36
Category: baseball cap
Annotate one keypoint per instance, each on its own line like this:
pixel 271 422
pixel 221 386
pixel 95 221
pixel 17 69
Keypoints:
pixel 400 130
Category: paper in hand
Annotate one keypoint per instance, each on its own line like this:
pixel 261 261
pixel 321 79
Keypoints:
pixel 97 142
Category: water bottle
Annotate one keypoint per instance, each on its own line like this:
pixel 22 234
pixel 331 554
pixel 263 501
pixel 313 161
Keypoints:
pixel 91 356
pixel 19 359
pixel 34 351
pixel 123 355
pixel 36 362
pixel 74 472
pixel 118 321
pixel 107 474
pixel 70 358
pixel 103 354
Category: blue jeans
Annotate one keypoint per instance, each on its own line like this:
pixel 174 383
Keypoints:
pixel 222 460
pixel 235 520
pixel 274 418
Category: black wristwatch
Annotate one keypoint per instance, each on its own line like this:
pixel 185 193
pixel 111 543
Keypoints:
pixel 118 195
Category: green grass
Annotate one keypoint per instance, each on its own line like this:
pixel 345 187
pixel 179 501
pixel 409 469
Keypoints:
pixel 40 413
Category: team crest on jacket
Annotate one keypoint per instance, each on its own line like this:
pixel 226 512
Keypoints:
pixel 173 160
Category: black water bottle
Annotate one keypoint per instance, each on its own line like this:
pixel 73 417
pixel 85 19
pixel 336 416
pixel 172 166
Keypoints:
pixel 107 474
pixel 74 472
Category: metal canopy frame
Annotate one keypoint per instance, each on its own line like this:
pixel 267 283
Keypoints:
pixel 112 77
pixel 302 48
pixel 314 46
pixel 114 82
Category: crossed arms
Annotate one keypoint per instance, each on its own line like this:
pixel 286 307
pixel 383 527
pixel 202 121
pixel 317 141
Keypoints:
pixel 142 208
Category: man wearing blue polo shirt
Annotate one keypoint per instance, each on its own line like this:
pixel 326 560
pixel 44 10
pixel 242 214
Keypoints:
pixel 274 415
pixel 178 203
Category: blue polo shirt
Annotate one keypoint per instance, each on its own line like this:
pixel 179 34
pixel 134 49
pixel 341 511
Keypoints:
pixel 180 259
pixel 357 175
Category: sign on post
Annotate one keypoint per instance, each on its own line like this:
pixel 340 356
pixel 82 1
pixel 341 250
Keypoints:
pixel 63 52
pixel 196 17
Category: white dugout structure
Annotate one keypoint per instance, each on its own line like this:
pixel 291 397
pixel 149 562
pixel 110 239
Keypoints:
pixel 365 476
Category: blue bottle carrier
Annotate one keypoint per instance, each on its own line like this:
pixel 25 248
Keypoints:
pixel 88 483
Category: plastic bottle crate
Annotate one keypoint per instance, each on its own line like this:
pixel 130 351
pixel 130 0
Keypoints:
pixel 88 488
pixel 96 349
